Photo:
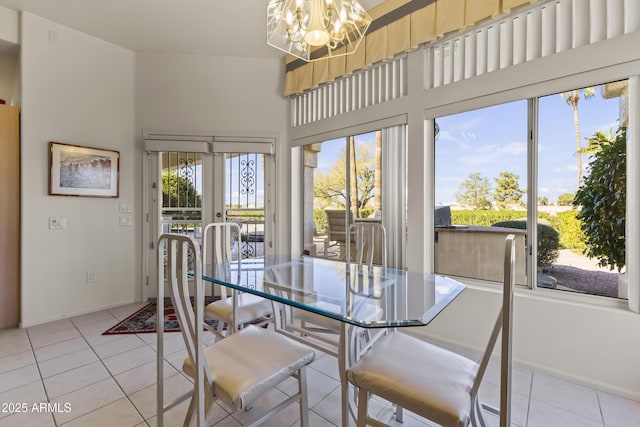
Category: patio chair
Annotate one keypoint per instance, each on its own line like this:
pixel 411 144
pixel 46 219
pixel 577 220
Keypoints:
pixel 234 309
pixel 236 370
pixel 435 383
pixel 336 231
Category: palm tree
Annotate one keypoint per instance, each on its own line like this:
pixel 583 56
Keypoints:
pixel 572 97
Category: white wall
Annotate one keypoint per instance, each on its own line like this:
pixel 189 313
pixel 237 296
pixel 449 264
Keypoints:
pixel 80 90
pixel 9 25
pixel 218 94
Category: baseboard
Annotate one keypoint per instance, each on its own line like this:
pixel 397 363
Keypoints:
pixel 23 325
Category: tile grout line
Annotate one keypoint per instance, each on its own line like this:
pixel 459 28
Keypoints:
pixel 46 394
pixel 600 408
pixel 110 376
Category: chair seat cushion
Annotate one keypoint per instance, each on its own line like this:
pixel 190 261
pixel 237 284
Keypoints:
pixel 250 308
pixel 425 379
pixel 239 376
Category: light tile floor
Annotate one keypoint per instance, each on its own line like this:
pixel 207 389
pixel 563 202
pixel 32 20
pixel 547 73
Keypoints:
pixel 77 377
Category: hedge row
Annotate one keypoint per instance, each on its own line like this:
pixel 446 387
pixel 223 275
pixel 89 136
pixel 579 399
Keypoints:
pixel 565 223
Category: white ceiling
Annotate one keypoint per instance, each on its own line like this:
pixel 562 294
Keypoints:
pixel 203 27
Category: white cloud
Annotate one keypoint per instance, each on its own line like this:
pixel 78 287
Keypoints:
pixel 444 135
pixel 488 148
pixel 543 190
pixel 464 147
pixel 514 148
pixel 468 136
pixel 470 124
pixel 478 160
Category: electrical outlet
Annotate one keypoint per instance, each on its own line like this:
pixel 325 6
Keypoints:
pixel 91 277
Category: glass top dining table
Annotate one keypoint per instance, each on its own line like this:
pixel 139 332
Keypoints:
pixel 357 297
pixel 340 290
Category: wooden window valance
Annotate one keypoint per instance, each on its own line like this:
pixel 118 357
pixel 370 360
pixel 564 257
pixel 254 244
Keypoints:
pixel 398 26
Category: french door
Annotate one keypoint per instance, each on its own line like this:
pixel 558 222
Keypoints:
pixel 187 190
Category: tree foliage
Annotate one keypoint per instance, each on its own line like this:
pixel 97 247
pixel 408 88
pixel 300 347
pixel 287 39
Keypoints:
pixel 332 188
pixel 566 199
pixel 508 191
pixel 602 200
pixel 178 191
pixel 475 191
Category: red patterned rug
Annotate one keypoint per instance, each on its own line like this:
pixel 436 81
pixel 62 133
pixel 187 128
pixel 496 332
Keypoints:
pixel 144 320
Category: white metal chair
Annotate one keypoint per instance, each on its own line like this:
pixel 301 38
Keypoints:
pixel 368 241
pixel 236 370
pixel 237 309
pixel 433 382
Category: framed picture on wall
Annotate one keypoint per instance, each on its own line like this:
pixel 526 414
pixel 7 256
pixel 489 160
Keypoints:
pixel 76 170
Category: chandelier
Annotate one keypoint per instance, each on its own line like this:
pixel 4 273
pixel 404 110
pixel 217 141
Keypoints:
pixel 316 29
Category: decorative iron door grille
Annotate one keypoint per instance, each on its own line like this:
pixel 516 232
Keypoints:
pixel 182 195
pixel 245 200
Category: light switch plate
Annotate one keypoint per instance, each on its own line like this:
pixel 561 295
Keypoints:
pixel 125 207
pixel 126 220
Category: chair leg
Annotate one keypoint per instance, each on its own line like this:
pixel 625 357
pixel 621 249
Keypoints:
pixel 477 419
pixel 190 416
pixel 363 399
pixel 304 400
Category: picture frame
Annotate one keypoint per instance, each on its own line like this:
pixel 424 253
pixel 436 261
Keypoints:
pixel 76 170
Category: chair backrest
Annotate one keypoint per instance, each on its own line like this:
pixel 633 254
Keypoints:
pixel 223 236
pixel 370 242
pixel 337 224
pixel 176 273
pixel 504 324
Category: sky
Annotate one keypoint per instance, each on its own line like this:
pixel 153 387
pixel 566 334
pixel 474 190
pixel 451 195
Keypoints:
pixel 494 139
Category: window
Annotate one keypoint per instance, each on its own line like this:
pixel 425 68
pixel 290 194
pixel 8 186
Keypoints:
pixel 578 130
pixel 577 162
pixel 481 176
pixel 355 178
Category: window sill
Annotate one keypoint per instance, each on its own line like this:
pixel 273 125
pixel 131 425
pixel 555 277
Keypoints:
pixel 550 294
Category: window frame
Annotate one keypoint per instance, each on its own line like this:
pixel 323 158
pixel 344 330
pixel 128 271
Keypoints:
pixel 535 92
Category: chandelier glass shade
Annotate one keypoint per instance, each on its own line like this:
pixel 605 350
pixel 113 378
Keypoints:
pixel 316 29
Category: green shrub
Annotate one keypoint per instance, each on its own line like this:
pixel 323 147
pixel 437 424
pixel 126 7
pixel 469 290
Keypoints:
pixel 484 217
pixel 548 240
pixel 320 219
pixel 602 200
pixel 569 228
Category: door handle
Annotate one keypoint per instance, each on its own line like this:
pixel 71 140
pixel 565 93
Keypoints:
pixel 218 215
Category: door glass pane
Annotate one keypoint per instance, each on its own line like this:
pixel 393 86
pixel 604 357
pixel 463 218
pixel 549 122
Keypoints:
pixel 325 196
pixel 480 191
pixel 182 194
pixel 245 200
pixel 582 148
